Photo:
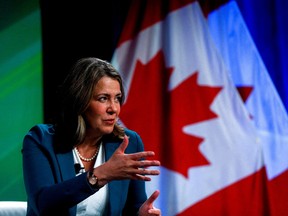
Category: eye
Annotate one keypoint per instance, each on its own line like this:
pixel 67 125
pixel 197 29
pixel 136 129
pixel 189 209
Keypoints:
pixel 102 98
pixel 118 98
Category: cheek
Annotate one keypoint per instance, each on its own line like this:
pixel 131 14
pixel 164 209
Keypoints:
pixel 93 111
pixel 118 109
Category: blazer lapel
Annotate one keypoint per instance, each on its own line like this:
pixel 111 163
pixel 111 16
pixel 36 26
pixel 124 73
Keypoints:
pixel 66 170
pixel 66 165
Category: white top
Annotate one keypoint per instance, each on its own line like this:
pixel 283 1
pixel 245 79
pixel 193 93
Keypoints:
pixel 96 204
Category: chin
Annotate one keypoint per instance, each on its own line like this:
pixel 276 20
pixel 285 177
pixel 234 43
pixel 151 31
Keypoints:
pixel 107 131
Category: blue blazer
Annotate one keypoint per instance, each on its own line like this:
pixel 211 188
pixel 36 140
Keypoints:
pixel 51 183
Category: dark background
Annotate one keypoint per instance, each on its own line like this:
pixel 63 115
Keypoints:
pixel 73 30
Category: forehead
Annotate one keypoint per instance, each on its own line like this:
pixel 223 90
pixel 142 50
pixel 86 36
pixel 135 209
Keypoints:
pixel 107 84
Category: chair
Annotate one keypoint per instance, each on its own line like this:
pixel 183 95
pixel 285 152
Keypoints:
pixel 13 208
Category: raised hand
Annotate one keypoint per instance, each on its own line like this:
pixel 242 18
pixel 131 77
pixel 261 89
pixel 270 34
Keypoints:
pixel 126 166
pixel 147 208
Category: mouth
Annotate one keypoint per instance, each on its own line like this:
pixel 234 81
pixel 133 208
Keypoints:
pixel 109 121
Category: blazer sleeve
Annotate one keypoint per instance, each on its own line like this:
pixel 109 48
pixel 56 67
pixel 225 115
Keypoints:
pixel 48 193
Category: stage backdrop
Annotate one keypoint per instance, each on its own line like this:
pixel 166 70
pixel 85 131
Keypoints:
pixel 20 88
pixel 83 30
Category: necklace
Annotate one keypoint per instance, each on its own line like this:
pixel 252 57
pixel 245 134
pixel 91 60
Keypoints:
pixel 87 159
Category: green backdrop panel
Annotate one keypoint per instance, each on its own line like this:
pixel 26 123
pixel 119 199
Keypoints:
pixel 20 90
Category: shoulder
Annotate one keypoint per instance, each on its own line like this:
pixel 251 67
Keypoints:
pixel 131 133
pixel 41 134
pixel 42 130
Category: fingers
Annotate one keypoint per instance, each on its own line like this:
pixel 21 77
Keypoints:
pixel 135 156
pixel 148 208
pixel 152 198
pixel 143 171
pixel 132 166
pixel 143 174
pixel 146 163
pixel 141 155
pixel 154 211
pixel 123 145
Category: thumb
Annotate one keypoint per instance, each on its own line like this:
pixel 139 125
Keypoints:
pixel 123 145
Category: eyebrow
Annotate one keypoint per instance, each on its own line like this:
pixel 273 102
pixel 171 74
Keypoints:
pixel 107 94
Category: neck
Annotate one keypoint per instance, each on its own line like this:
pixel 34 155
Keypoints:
pixel 92 138
pixel 91 141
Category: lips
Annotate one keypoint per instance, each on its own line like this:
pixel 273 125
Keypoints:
pixel 109 121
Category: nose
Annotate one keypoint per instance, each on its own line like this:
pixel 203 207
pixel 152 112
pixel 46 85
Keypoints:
pixel 113 107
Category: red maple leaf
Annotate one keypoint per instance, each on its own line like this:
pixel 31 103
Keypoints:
pixel 159 115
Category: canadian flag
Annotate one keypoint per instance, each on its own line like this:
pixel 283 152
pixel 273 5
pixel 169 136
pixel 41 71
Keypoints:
pixel 183 103
pixel 267 111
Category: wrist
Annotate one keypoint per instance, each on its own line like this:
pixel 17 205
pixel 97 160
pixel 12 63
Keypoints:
pixel 97 178
pixel 102 175
pixel 93 180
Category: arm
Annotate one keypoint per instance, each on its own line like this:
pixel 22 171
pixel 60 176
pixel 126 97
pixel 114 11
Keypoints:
pixel 46 190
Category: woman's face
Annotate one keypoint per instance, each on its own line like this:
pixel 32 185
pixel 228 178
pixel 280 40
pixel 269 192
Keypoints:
pixel 104 108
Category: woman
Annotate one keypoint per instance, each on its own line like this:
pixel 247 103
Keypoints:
pixel 87 164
